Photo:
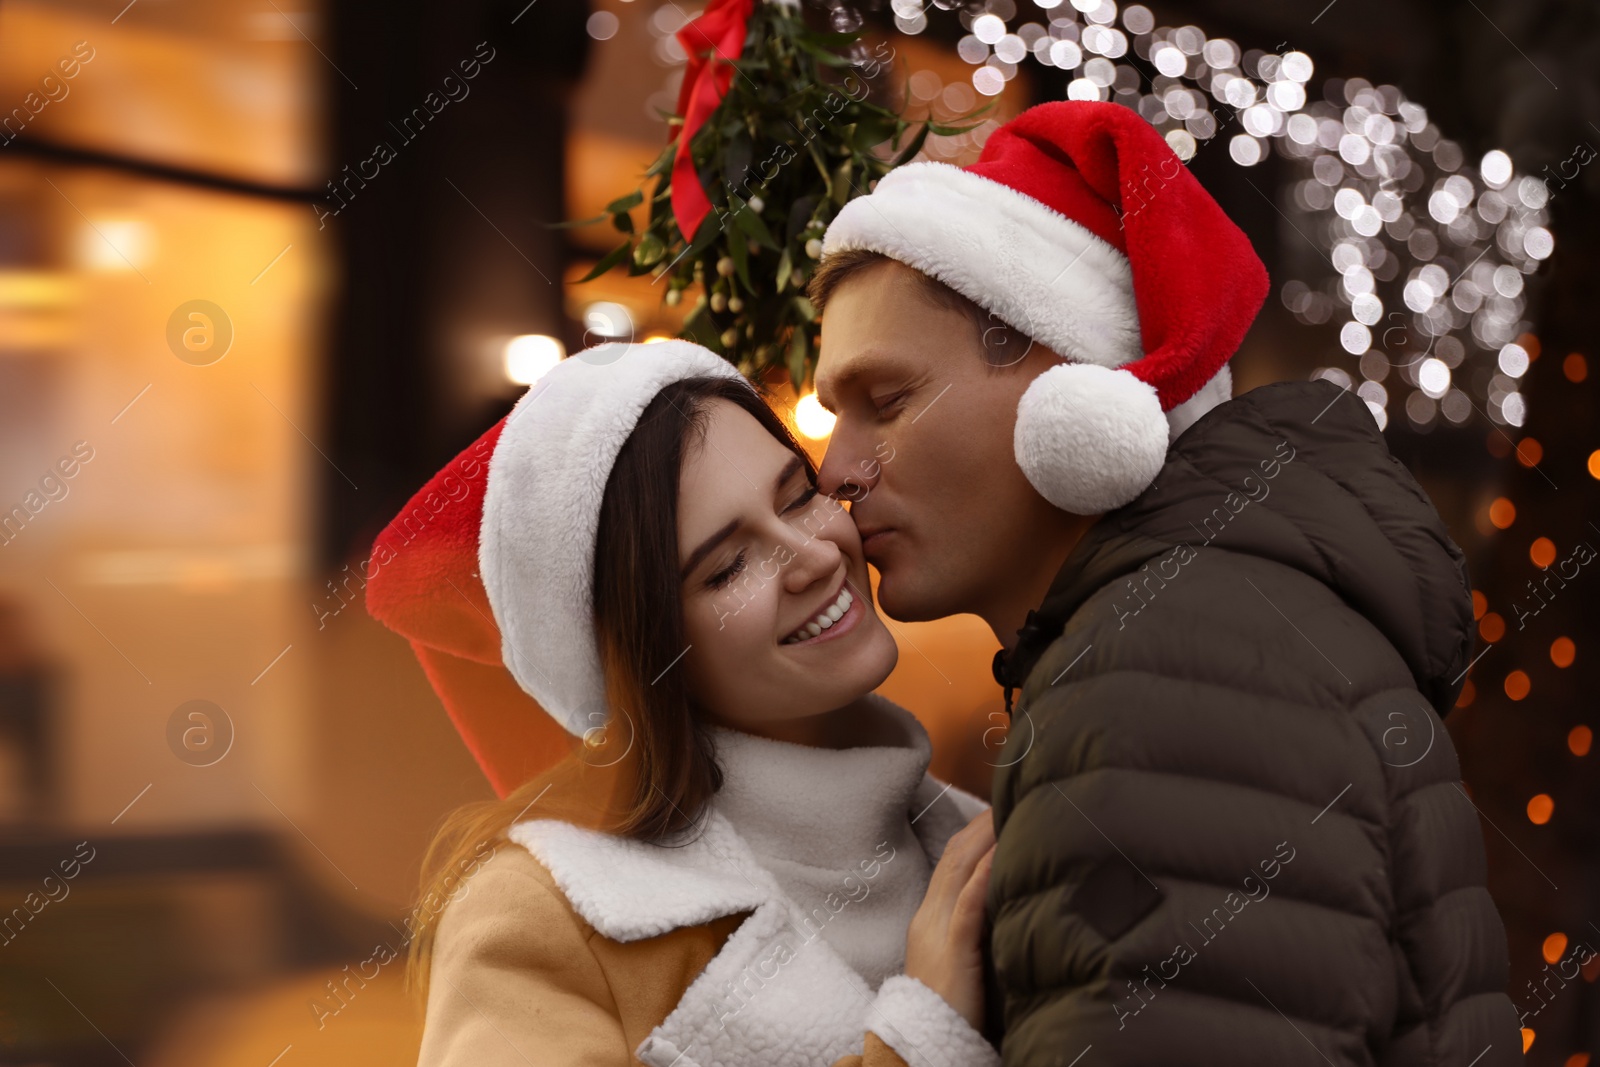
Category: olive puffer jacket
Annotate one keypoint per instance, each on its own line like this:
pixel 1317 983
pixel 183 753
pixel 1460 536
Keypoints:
pixel 1231 826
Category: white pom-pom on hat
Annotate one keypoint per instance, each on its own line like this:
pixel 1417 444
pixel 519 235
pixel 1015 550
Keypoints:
pixel 1089 438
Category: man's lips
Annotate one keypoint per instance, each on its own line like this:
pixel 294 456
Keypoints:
pixel 873 538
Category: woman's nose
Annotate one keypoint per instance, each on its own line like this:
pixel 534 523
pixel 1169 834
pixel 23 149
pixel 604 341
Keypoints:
pixel 816 554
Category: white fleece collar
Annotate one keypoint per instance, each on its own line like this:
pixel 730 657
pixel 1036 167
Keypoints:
pixel 776 992
pixel 833 826
pixel 822 806
pixel 628 890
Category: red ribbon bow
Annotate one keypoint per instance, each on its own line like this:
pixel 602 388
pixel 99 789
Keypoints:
pixel 712 41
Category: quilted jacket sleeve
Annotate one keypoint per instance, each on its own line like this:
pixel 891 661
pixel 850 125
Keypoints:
pixel 1239 838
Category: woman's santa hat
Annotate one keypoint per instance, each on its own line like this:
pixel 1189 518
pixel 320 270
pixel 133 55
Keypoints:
pixel 489 568
pixel 1079 226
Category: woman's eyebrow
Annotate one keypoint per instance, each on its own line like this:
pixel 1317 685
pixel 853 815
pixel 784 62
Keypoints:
pixel 706 547
pixel 790 469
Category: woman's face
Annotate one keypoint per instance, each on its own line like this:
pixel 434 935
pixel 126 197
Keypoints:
pixel 765 562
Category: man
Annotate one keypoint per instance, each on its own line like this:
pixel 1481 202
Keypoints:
pixel 1231 829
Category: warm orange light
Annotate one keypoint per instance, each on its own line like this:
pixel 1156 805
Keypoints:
pixel 1540 808
pixel 1492 627
pixel 1555 946
pixel 1503 512
pixel 1530 343
pixel 1529 452
pixel 1594 464
pixel 1579 740
pixel 1575 367
pixel 1578 1059
pixel 1480 604
pixel 812 419
pixel 1542 552
pixel 1591 970
pixel 1527 1039
pixel 1563 652
pixel 1468 692
pixel 1517 685
pixel 529 356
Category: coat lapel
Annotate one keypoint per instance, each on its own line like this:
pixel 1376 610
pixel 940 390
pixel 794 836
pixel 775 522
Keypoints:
pixel 776 992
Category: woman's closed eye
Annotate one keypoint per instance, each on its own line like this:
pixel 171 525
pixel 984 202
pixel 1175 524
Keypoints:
pixel 728 573
pixel 802 500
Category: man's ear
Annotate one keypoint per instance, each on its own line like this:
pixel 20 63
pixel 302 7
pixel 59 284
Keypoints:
pixel 1003 345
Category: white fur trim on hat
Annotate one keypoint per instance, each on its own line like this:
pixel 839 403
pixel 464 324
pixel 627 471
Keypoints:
pixel 541 511
pixel 1219 390
pixel 1036 269
pixel 1089 438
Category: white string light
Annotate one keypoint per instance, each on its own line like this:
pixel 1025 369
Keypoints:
pixel 1428 251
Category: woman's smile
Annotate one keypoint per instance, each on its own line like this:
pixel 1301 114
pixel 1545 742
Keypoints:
pixel 835 620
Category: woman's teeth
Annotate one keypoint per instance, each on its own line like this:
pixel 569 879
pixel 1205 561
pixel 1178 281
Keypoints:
pixel 825 619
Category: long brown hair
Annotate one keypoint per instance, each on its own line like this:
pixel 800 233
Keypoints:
pixel 648 768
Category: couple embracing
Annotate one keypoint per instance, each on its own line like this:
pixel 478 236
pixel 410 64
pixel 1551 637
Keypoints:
pixel 1226 823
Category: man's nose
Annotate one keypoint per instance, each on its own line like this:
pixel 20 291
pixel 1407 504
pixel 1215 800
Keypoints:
pixel 843 473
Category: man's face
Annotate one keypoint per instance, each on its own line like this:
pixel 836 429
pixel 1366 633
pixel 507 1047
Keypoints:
pixel 923 445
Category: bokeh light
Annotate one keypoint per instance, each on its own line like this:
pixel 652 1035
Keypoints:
pixel 1542 552
pixel 812 419
pixel 1563 652
pixel 528 357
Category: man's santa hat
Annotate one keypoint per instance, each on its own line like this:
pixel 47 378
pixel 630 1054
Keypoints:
pixel 489 568
pixel 1080 227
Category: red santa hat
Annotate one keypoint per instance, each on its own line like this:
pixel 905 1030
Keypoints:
pixel 488 570
pixel 1080 227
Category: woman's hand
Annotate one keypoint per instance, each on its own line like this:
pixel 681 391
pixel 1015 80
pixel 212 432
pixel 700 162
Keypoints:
pixel 944 943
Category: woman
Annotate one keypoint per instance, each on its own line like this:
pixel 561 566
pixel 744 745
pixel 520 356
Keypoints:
pixel 744 861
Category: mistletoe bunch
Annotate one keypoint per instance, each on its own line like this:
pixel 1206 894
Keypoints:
pixel 795 138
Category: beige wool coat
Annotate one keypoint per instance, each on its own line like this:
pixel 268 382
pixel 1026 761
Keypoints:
pixel 572 947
